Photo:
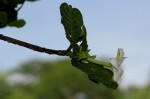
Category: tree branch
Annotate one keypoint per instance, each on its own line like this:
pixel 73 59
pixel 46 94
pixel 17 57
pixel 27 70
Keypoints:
pixel 35 47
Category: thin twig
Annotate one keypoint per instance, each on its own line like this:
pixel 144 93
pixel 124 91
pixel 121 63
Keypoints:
pixel 35 47
pixel 69 48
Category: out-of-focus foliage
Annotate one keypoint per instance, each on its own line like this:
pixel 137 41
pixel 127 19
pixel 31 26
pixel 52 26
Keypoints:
pixel 5 89
pixel 56 80
pixel 137 93
pixel 59 80
pixel 9 13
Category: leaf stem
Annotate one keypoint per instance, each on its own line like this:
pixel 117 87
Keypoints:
pixel 99 62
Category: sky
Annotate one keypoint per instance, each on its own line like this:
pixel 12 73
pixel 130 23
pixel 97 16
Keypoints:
pixel 110 24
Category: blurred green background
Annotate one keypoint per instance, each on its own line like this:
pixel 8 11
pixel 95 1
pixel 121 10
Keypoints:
pixel 38 79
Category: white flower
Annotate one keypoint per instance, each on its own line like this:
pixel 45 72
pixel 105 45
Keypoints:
pixel 116 65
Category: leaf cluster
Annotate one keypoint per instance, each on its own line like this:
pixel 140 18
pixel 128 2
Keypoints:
pixel 74 28
pixel 76 33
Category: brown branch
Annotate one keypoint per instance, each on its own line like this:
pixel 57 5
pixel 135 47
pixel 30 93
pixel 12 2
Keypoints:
pixel 35 47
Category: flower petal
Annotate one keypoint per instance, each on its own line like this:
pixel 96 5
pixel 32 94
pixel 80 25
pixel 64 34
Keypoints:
pixel 120 71
pixel 121 61
pixel 114 63
pixel 116 76
pixel 121 52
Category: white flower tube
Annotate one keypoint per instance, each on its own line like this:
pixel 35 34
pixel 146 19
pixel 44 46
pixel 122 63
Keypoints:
pixel 116 65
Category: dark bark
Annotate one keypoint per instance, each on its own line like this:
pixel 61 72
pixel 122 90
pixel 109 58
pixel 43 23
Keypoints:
pixel 35 47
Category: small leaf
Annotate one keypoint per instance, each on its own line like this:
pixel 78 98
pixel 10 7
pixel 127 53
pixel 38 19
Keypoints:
pixel 84 41
pixel 96 73
pixel 19 23
pixel 16 2
pixel 3 19
pixel 5 1
pixel 72 20
pixel 12 3
pixel 83 55
pixel 32 0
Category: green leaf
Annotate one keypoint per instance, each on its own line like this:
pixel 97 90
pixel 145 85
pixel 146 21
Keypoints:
pixel 72 20
pixel 3 19
pixel 4 1
pixel 32 0
pixel 84 41
pixel 12 3
pixel 96 73
pixel 83 55
pixel 16 2
pixel 19 23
